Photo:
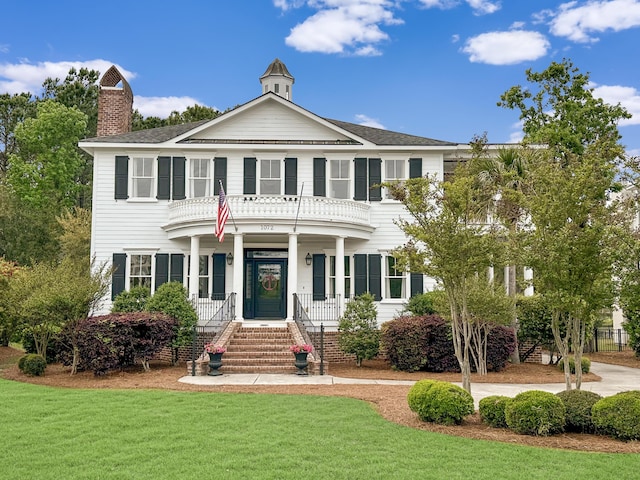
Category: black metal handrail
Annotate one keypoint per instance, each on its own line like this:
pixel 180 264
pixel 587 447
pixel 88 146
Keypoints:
pixel 224 315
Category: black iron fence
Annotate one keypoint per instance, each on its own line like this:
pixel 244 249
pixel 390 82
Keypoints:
pixel 607 339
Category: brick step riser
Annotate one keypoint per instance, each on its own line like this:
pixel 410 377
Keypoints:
pixel 282 338
pixel 260 341
pixel 284 370
pixel 254 354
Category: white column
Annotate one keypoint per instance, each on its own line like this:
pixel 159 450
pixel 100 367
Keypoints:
pixel 506 279
pixel 490 274
pixel 238 266
pixel 292 278
pixel 340 271
pixel 528 276
pixel 194 264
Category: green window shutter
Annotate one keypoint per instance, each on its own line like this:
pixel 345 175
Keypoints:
pixel 122 178
pixel 375 276
pixel 359 274
pixel 119 274
pixel 249 176
pixel 177 268
pixel 417 284
pixel 360 176
pixel 318 276
pixel 415 167
pixel 375 178
pixel 219 174
pixel 319 177
pixel 290 176
pixel 162 268
pixel 179 178
pixel 219 272
pixel 164 178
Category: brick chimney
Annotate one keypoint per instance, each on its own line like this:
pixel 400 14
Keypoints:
pixel 115 104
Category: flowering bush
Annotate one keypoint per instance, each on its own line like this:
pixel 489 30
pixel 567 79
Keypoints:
pixel 306 348
pixel 211 348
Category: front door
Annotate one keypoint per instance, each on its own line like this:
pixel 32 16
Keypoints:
pixel 265 285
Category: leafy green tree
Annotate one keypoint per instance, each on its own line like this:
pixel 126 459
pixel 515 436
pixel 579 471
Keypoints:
pixel 358 332
pixel 14 109
pixel 573 225
pixel 8 324
pixel 45 171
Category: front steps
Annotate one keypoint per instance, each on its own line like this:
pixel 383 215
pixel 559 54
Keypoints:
pixel 259 349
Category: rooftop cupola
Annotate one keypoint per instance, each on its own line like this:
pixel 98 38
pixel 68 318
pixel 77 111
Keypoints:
pixel 277 79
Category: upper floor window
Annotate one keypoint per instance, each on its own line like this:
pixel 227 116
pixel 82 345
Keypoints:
pixel 339 178
pixel 394 279
pixel 270 183
pixel 393 171
pixel 142 178
pixel 199 181
pixel 140 271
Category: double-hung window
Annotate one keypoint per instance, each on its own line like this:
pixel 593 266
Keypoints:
pixel 393 172
pixel 203 276
pixel 199 180
pixel 394 279
pixel 142 180
pixel 140 271
pixel 270 177
pixel 339 178
pixel 332 277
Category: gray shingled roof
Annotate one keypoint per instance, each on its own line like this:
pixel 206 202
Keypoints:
pixel 377 136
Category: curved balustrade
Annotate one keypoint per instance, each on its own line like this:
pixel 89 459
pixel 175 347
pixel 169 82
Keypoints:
pixel 266 207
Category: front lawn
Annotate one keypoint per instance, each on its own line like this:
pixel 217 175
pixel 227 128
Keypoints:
pixel 52 433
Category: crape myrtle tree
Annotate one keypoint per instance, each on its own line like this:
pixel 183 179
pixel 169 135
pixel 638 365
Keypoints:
pixel 573 225
pixel 448 243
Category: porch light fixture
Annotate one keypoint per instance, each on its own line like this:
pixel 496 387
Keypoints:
pixel 229 258
pixel 308 259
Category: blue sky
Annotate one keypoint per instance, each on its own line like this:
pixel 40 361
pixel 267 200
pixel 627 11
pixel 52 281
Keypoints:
pixel 434 68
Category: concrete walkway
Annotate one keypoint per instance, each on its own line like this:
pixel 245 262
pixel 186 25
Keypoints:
pixel 614 379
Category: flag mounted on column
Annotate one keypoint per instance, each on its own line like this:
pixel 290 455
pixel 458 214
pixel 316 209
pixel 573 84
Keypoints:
pixel 223 214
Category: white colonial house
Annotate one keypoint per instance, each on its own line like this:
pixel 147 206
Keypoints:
pixel 308 228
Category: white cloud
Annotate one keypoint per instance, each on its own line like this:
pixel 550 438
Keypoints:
pixel 628 97
pixel 455 38
pixel 578 22
pixel 480 7
pixel 517 134
pixel 344 26
pixel 506 48
pixel 362 119
pixel 28 77
pixel 162 106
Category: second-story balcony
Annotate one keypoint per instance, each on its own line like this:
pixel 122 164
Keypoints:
pixel 252 212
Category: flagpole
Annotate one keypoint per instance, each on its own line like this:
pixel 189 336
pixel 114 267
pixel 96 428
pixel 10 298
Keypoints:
pixel 229 207
pixel 295 224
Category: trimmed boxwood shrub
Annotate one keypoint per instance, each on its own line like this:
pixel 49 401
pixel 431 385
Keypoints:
pixel 417 343
pixel 535 413
pixel 491 410
pixel 584 361
pixel 618 415
pixel 578 404
pixel 440 402
pixel 32 364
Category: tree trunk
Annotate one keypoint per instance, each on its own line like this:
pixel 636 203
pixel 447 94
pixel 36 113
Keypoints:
pixel 513 271
pixel 563 346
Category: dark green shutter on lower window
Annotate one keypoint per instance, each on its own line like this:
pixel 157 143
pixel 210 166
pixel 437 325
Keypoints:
pixel 219 271
pixel 359 274
pixel 164 178
pixel 179 178
pixel 249 176
pixel 290 176
pixel 375 276
pixel 319 177
pixel 122 178
pixel 177 268
pixel 417 284
pixel 119 274
pixel 415 167
pixel 162 268
pixel 318 276
pixel 375 178
pixel 220 175
pixel 360 176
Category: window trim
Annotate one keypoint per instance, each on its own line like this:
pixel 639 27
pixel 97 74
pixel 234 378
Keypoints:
pixel 260 178
pixel 348 178
pixel 398 276
pixel 403 162
pixel 191 178
pixel 152 178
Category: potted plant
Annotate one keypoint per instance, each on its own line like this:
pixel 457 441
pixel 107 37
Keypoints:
pixel 301 352
pixel 215 358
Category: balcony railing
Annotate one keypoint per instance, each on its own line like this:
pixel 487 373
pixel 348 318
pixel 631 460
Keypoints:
pixel 272 208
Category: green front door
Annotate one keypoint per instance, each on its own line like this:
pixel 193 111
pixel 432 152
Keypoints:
pixel 270 287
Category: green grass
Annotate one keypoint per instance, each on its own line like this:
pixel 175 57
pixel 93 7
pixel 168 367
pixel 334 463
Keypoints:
pixel 49 433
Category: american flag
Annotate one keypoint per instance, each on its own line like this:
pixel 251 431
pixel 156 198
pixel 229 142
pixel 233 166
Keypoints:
pixel 223 214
